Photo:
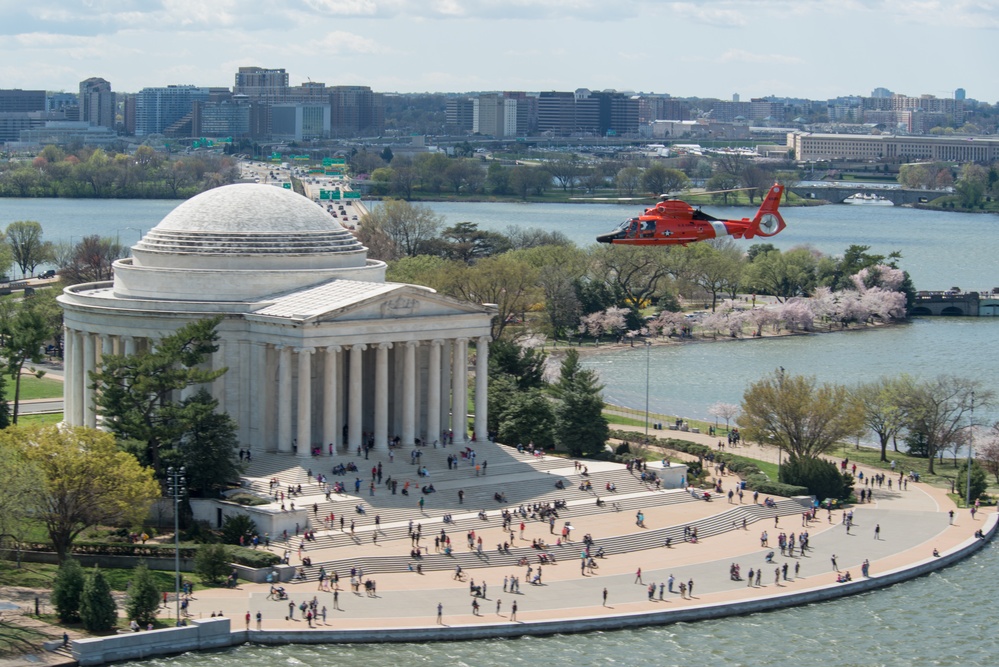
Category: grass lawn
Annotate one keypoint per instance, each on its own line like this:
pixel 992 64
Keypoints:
pixel 16 641
pixel 32 388
pixel 41 575
pixel 904 463
pixel 53 418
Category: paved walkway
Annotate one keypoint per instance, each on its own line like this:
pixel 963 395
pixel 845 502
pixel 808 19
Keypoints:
pixel 911 523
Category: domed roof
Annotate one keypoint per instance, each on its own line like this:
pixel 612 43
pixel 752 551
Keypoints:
pixel 249 219
pixel 248 208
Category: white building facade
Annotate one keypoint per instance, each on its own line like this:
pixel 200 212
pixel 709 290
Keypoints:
pixel 319 349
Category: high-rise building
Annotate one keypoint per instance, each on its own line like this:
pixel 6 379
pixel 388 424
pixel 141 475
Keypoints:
pixel 487 115
pixel 355 110
pixel 157 109
pixel 258 83
pixel 459 115
pixel 18 100
pixel 881 92
pixel 97 102
pixel 960 94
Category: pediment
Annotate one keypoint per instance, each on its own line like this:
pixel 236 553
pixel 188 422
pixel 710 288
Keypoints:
pixel 345 300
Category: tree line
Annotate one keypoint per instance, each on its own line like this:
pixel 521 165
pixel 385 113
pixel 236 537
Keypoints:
pixel 95 173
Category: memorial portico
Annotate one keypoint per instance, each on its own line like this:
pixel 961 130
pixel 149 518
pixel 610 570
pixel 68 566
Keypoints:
pixel 319 348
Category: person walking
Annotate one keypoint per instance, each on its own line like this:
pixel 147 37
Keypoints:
pixel 877 531
pixel 440 614
pixel 499 604
pixel 835 566
pixel 605 597
pixel 513 611
pixel 638 576
pixel 690 588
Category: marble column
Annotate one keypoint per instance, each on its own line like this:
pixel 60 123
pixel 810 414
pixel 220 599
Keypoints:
pixel 69 354
pixel 89 365
pixel 355 397
pixel 330 380
pixel 459 391
pixel 284 399
pixel 107 346
pixel 482 389
pixel 434 390
pixel 381 393
pixel 79 379
pixel 262 386
pixel 409 394
pixel 445 385
pixel 304 401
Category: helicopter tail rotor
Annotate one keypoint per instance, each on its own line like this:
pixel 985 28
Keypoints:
pixel 768 220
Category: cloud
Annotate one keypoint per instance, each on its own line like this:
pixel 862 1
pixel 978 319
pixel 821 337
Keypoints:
pixel 722 17
pixel 743 56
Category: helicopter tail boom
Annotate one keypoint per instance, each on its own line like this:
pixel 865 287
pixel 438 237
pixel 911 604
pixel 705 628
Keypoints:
pixel 768 220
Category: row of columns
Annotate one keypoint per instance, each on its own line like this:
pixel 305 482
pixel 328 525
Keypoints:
pixel 81 351
pixel 445 404
pixel 446 389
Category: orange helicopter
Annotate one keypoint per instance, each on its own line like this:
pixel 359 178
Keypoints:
pixel 674 222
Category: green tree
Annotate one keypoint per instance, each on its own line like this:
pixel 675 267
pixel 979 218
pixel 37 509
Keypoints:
pixel 527 418
pixel 979 481
pixel 134 392
pixel 98 611
pixel 880 401
pixel 143 596
pixel 27 247
pixel 797 414
pixel 86 481
pixel 23 343
pixel 628 180
pixel 238 529
pixel 408 226
pixel 820 477
pixel 212 562
pixel 936 411
pixel 207 446
pixel 432 170
pixel 972 184
pixel 67 589
pixel 659 179
pixel 717 267
pixel 505 280
pixel 783 275
pixel 497 178
pixel 580 427
pixel 720 184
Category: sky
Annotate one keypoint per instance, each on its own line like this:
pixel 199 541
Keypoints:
pixel 816 49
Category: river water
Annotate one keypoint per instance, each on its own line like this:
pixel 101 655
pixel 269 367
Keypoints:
pixel 936 620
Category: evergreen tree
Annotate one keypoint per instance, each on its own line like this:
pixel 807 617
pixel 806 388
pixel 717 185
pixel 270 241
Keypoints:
pixel 134 392
pixel 143 596
pixel 979 481
pixel 207 448
pixel 98 610
pixel 212 562
pixel 580 427
pixel 527 418
pixel 67 590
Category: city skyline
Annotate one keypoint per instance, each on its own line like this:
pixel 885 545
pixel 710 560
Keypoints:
pixel 708 48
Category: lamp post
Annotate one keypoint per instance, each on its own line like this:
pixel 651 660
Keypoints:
pixel 971 448
pixel 137 229
pixel 648 348
pixel 175 486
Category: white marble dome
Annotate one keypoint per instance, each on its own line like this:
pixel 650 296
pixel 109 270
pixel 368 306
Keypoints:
pixel 247 219
pixel 239 242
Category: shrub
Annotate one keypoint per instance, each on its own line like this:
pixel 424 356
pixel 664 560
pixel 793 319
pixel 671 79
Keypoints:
pixel 979 482
pixel 764 485
pixel 98 610
pixel 822 478
pixel 67 590
pixel 143 596
pixel 253 557
pixel 212 563
pixel 623 449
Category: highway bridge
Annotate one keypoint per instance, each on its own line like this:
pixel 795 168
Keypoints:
pixel 837 193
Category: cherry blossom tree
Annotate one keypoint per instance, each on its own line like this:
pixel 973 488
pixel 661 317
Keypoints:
pixel 726 411
pixel 796 314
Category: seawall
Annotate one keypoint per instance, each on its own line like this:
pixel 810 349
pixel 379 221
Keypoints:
pixel 217 633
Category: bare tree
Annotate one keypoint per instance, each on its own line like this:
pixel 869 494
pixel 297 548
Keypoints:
pixel 91 260
pixel 726 411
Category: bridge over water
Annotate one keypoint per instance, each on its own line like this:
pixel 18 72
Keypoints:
pixel 836 194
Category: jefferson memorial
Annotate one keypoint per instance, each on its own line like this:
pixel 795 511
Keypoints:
pixel 319 348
